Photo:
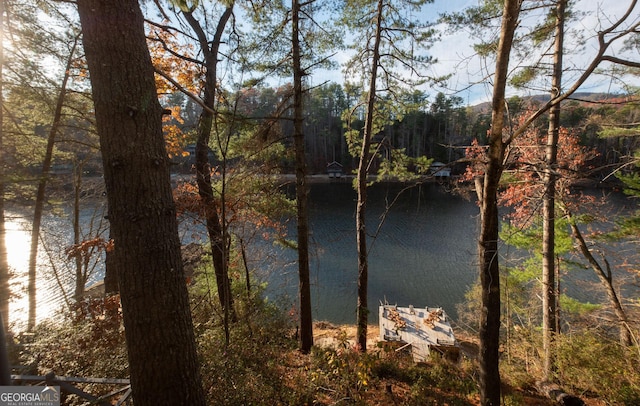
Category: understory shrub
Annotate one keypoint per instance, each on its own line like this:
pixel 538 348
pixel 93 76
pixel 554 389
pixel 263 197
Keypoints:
pixel 591 364
pixel 343 370
pixel 441 382
pixel 86 342
pixel 250 367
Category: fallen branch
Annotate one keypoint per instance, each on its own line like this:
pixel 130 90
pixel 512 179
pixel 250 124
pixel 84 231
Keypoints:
pixel 553 391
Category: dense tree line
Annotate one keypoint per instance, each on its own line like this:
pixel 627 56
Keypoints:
pixel 158 81
pixel 440 129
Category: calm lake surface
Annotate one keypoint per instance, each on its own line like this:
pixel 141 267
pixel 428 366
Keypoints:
pixel 423 254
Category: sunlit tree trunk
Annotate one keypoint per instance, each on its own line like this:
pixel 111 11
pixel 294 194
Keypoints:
pixel 163 362
pixel 302 189
pixel 81 259
pixel 549 292
pixel 606 279
pixel 40 192
pixel 488 241
pixel 77 184
pixel 362 311
pixel 4 262
pixel 215 222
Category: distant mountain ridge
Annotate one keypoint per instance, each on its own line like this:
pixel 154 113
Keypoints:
pixel 586 97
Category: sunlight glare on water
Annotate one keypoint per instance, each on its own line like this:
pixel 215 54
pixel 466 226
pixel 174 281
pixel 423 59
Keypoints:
pixel 18 240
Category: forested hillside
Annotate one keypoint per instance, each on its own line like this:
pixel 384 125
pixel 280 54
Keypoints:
pixel 438 127
pixel 156 161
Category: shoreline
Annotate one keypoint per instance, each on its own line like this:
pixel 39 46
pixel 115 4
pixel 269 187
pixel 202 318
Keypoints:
pixel 288 178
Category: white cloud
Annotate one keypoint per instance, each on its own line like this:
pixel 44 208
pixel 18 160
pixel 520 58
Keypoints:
pixel 471 78
pixel 579 52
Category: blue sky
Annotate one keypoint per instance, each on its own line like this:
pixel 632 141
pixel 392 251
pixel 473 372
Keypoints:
pixel 455 52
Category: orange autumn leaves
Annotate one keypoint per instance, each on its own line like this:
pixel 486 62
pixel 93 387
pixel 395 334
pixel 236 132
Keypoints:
pixel 87 248
pixel 180 70
pixel 174 60
pixel 243 209
pixel 175 138
pixel 525 164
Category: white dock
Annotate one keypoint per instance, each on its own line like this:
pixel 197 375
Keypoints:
pixel 424 329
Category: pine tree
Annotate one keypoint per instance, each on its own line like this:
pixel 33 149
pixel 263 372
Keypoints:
pixel 386 66
pixel 163 361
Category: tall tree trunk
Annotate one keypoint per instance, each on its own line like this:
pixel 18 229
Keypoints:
pixel 362 311
pixel 5 370
pixel 77 185
pixel 488 241
pixel 40 192
pixel 302 189
pixel 4 261
pixel 163 362
pixel 549 297
pixel 82 259
pixel 110 273
pixel 215 223
pixel 606 279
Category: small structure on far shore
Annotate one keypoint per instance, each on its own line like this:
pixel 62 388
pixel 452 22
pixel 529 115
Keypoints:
pixel 423 329
pixel 334 169
pixel 440 170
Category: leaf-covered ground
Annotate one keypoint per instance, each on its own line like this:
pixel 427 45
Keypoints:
pixel 391 391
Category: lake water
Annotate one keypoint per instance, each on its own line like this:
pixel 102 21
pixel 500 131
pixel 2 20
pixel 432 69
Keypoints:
pixel 423 254
pixel 55 272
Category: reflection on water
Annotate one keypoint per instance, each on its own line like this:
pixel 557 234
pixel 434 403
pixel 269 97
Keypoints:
pixel 423 254
pixel 18 240
pixel 55 273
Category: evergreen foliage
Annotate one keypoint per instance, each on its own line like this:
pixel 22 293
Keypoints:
pixel 251 148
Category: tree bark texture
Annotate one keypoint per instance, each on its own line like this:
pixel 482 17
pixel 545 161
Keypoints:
pixel 216 228
pixel 549 291
pixel 488 242
pixel 302 190
pixel 110 273
pixel 161 345
pixel 362 310
pixel 4 261
pixel 549 294
pixel 80 275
